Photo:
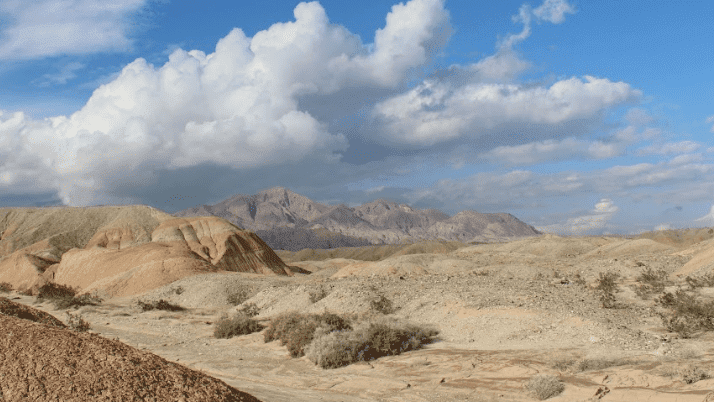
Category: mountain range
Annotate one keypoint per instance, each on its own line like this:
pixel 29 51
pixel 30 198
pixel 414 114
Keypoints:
pixel 286 220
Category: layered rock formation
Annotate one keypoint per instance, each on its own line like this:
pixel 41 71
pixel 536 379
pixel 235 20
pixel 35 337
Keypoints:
pixel 280 212
pixel 120 251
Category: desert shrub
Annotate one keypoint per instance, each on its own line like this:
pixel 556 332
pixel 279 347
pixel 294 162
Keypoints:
pixel 598 363
pixel 685 314
pixel 249 309
pixel 335 349
pixel 5 287
pixel 563 364
pixel 706 280
pixel 607 286
pixel 651 281
pixel 240 324
pixel 25 292
pixel 53 291
pixel 178 290
pixel 382 305
pixel 545 386
pixel 64 303
pixel 159 305
pixel 63 297
pixel 692 374
pixel 239 295
pixel 317 295
pixel 76 323
pixel 296 330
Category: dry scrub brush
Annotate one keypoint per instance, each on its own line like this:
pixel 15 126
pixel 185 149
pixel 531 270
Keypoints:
pixel 607 286
pixel 296 331
pixel 545 386
pixel 240 324
pixel 685 314
pixel 333 349
pixel 651 282
pixel 63 297
pixel 77 323
pixel 159 305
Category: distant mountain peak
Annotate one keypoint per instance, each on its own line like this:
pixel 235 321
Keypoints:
pixel 377 221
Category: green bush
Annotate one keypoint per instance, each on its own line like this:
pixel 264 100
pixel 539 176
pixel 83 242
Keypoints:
pixel 5 287
pixel 333 349
pixel 545 386
pixel 240 324
pixel 159 305
pixel 685 314
pixel 607 286
pixel 296 330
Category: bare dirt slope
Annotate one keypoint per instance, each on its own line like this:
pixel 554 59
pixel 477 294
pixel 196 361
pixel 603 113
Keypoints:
pixel 120 251
pixel 506 313
pixel 40 362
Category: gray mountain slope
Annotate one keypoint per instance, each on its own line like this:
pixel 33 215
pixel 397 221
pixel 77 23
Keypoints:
pixel 290 215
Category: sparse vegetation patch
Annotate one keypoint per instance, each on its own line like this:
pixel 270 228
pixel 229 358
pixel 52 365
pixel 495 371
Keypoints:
pixel 333 349
pixel 296 331
pixel 607 286
pixel 651 282
pixel 239 295
pixel 159 305
pixel 545 386
pixel 318 294
pixel 5 287
pixel 63 297
pixel 701 281
pixel 77 323
pixel 240 324
pixel 685 314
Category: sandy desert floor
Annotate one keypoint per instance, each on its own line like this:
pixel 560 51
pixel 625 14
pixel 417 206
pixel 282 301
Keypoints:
pixel 506 313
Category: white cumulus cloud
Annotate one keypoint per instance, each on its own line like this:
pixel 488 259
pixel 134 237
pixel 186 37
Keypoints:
pixel 236 107
pixel 434 112
pixel 552 151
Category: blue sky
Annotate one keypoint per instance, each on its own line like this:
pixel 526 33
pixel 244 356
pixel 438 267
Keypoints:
pixel 576 117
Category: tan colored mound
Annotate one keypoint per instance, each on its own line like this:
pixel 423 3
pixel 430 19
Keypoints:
pixel 551 245
pixel 179 248
pixel 629 248
pixel 122 251
pixel 404 266
pixel 43 363
pixel 10 308
pixel 701 263
pixel 22 227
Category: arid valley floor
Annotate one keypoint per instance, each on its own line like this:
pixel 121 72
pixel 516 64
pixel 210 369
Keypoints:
pixel 506 313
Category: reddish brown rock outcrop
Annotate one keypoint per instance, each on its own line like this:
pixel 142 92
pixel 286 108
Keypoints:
pixel 43 363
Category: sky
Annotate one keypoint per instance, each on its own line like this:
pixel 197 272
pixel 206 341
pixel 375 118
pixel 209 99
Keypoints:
pixel 577 117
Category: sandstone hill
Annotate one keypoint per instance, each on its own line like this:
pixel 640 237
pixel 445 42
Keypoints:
pixel 279 213
pixel 120 251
